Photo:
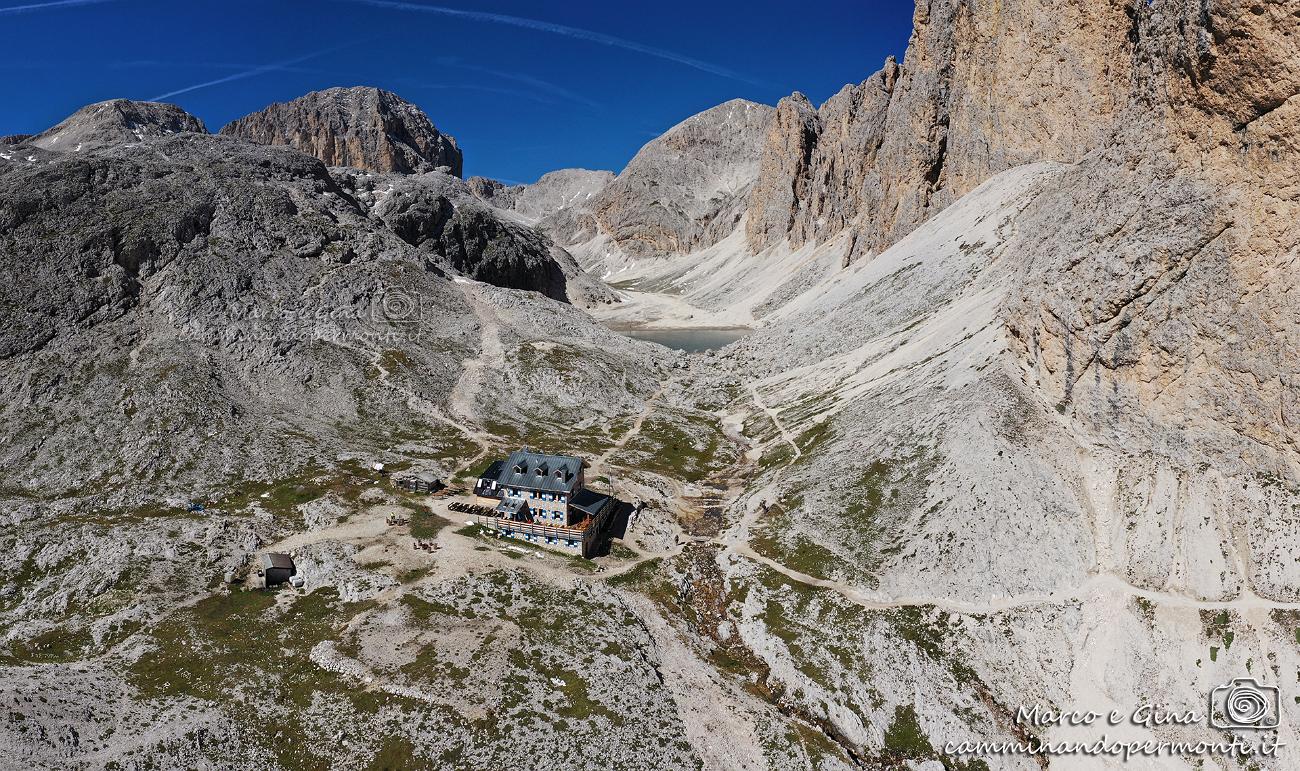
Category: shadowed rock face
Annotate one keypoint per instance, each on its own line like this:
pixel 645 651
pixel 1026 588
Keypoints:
pixel 116 122
pixel 444 217
pixel 362 127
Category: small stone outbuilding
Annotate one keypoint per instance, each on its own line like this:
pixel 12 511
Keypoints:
pixel 419 482
pixel 277 568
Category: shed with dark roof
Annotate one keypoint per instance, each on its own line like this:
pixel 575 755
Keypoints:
pixel 419 482
pixel 590 502
pixel 277 568
pixel 488 484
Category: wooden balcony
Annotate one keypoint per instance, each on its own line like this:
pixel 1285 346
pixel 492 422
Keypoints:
pixel 532 528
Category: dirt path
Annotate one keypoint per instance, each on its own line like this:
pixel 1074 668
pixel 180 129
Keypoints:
pixel 464 397
pixel 366 528
pixel 1095 585
pixel 1104 581
pixel 594 467
pixel 418 403
pixel 776 421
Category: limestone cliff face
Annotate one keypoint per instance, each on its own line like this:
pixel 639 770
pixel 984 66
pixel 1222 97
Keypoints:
pixel 986 87
pixel 785 172
pixel 1170 291
pixel 983 88
pixel 114 122
pixel 687 189
pixel 365 128
pixel 819 166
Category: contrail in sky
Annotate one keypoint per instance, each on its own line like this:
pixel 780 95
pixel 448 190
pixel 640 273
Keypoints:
pixel 519 77
pixel 260 70
pixel 42 6
pixel 560 29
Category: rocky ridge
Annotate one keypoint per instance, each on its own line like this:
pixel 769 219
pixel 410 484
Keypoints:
pixel 441 216
pixel 114 122
pixel 208 286
pixel 560 202
pixel 361 127
pixel 687 189
pixel 470 239
pixel 683 191
pixel 973 97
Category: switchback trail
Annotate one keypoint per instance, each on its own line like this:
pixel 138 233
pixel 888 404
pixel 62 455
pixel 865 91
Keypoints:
pixel 735 540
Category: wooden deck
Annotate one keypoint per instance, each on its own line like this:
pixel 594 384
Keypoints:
pixel 532 528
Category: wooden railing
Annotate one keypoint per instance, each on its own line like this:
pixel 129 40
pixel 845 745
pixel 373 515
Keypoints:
pixel 547 531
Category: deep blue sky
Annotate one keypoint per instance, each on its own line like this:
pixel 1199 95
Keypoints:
pixel 521 99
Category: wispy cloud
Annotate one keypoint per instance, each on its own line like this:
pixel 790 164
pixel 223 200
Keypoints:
pixel 164 64
pixel 537 84
pixel 30 7
pixel 561 29
pixel 262 69
pixel 512 92
pixel 543 92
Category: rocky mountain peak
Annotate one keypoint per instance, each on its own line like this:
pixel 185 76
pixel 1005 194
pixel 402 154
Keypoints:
pixel 362 127
pixel 704 166
pixel 116 122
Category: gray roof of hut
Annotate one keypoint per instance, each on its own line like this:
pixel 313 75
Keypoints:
pixel 589 502
pixel 512 506
pixel 493 470
pixel 277 560
pixel 423 476
pixel 539 471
